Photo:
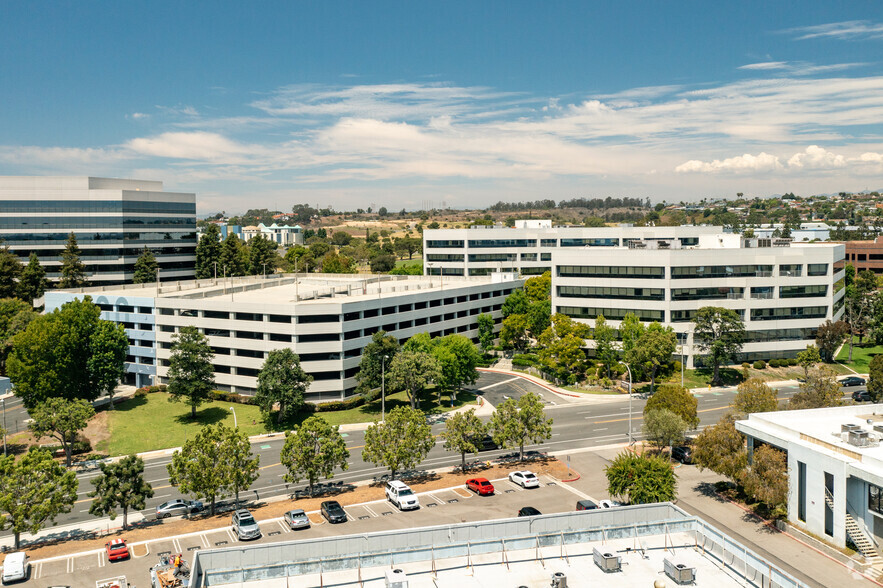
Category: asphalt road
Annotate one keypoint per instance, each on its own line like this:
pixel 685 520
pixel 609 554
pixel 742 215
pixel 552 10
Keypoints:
pixel 574 426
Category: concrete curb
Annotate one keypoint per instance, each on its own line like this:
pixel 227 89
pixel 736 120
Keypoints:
pixel 580 398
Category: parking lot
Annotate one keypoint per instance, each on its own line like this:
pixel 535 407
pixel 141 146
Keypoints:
pixel 438 507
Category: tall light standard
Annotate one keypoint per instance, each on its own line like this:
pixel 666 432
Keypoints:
pixel 630 402
pixel 429 267
pixel 383 388
pixel 4 425
pixel 265 269
pixel 235 424
pixel 215 263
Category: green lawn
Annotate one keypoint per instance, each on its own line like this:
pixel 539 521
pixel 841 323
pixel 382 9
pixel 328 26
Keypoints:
pixel 861 356
pixel 414 261
pixel 152 422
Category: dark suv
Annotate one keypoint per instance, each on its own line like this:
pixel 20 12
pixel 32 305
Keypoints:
pixel 861 396
pixel 333 512
pixel 683 454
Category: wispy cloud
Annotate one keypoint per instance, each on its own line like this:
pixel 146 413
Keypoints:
pixel 765 65
pixel 799 68
pixel 850 29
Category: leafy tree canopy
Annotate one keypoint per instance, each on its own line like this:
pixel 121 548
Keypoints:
pixel 312 451
pixel 191 373
pixel 400 442
pixel 283 382
pixel 120 485
pixel 641 480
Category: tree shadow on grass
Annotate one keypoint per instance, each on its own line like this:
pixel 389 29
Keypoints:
pixel 206 416
pixel 729 376
pixel 126 405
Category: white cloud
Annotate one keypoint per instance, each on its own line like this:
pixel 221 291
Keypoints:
pixel 850 29
pixel 815 157
pixel 210 147
pixel 799 68
pixel 765 65
pixel 870 157
pixel 747 163
pixel 138 115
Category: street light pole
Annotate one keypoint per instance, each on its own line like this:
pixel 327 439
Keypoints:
pixel 215 263
pixel 630 402
pixel 235 424
pixel 4 426
pixel 383 388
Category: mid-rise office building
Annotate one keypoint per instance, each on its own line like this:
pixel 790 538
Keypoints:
pixel 327 319
pixel 528 247
pixel 113 220
pixel 782 290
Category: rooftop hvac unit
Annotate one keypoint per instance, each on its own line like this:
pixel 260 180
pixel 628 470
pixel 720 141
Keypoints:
pixel 559 580
pixel 859 438
pixel 396 579
pixel 679 572
pixel 878 428
pixel 608 562
pixel 849 427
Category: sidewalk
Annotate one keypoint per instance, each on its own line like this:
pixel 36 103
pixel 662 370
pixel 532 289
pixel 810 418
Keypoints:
pixel 816 565
pixel 565 395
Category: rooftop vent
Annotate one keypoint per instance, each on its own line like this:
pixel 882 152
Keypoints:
pixel 846 428
pixel 559 580
pixel 860 438
pixel 396 579
pixel 608 562
pixel 679 572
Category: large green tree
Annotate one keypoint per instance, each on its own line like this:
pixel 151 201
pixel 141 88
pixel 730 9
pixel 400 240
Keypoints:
pixel 376 359
pixel 663 427
pixel 282 382
pixel 413 371
pixel 51 356
pixel 875 378
pixel 120 485
pixel 516 303
pixel 463 433
pixel 10 271
pixel 15 316
pixel 313 451
pixel 33 283
pixel 191 373
pixel 605 344
pixel 73 272
pixel 208 252
pixel 819 390
pixel 33 490
pixel 261 256
pixel 859 299
pixel 754 395
pixel 515 422
pixel 233 259
pixel 539 288
pixel 107 362
pixel 766 479
pixel 653 350
pixel 808 358
pixel 146 267
pixel 400 442
pixel 458 358
pixel 829 337
pixel 719 332
pixel 721 449
pixel 62 419
pixel 630 330
pixel 485 331
pixel 513 335
pixel 639 479
pixel 204 466
pixel 676 399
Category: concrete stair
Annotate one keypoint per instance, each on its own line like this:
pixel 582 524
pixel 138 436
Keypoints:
pixel 859 538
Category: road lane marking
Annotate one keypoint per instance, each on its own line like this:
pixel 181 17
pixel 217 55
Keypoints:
pixel 482 389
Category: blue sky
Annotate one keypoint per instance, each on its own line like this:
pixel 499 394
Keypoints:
pixel 350 104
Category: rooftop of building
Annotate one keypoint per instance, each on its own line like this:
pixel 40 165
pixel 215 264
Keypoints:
pixel 281 289
pixel 637 545
pixel 850 433
pixel 77 183
pixel 720 241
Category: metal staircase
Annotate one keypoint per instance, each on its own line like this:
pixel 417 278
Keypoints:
pixel 864 544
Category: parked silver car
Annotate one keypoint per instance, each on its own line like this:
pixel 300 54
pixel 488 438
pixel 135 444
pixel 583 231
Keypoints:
pixel 245 526
pixel 177 507
pixel 296 519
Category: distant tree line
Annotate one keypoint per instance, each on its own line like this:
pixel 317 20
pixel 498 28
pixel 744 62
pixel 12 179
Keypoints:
pixel 590 203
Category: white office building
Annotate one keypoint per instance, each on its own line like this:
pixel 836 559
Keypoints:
pixel 282 235
pixel 113 220
pixel 783 291
pixel 528 247
pixel 835 468
pixel 327 319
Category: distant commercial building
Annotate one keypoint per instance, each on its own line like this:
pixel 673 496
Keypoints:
pixel 528 247
pixel 865 255
pixel 113 220
pixel 835 468
pixel 783 291
pixel 282 235
pixel 806 231
pixel 327 319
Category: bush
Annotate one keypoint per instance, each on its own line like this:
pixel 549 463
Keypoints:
pixel 522 362
pixel 759 364
pixel 340 404
pixel 145 390
pixel 746 365
pixel 774 363
pixel 221 396
pixel 676 367
pixel 792 361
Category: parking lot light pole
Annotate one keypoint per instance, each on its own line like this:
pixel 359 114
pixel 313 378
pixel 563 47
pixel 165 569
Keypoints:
pixel 630 402
pixel 383 388
pixel 235 424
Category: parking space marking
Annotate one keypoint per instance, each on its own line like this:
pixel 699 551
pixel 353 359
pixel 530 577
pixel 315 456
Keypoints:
pixel 101 560
pixel 514 485
pixel 70 565
pixel 38 569
pixel 177 545
pixel 204 539
pixel 572 489
pixel 436 498
pixel 285 528
pixel 231 535
pixel 371 512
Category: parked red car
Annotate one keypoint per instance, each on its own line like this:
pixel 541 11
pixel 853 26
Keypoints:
pixel 117 549
pixel 481 486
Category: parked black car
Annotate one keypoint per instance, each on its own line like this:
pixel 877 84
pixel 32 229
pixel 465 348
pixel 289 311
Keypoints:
pixel 528 511
pixel 852 381
pixel 487 443
pixel 683 454
pixel 333 512
pixel 861 396
pixel 585 505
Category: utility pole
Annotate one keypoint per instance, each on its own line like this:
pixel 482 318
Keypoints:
pixel 630 402
pixel 382 388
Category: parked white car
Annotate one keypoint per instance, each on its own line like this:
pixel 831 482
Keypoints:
pixel 401 495
pixel 609 504
pixel 525 479
pixel 16 567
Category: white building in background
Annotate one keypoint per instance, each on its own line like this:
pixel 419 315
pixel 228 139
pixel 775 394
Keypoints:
pixel 835 468
pixel 529 246
pixel 283 235
pixel 113 220
pixel 327 319
pixel 783 291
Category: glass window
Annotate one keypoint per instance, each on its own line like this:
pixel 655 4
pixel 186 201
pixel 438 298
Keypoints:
pixel 528 257
pixel 611 313
pixel 775 314
pixel 721 271
pixel 875 498
pixel 791 270
pixel 503 243
pixel 446 243
pixel 604 271
pixel 453 257
pixel 319 318
pixel 484 257
pixel 545 257
pixel 817 269
pixel 534 271
pixel 803 291
pixel 762 292
pixel 611 292
pixel 248 316
pixel 711 293
pixel 548 242
pixel 590 242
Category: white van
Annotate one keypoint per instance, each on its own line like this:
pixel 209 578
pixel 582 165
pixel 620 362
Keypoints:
pixel 401 495
pixel 16 567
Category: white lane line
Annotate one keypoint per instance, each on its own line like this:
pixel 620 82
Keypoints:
pixel 436 498
pixel 570 488
pixel 604 429
pixel 231 535
pixel 371 512
pixel 204 540
pixel 285 528
pixel 177 545
pixel 499 383
pixel 600 416
pixel 101 561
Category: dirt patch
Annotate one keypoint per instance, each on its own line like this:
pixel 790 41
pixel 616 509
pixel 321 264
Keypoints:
pixel 347 495
pixel 97 431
